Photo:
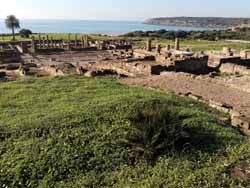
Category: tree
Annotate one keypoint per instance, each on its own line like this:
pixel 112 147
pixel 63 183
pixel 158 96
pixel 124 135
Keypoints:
pixel 12 23
pixel 25 33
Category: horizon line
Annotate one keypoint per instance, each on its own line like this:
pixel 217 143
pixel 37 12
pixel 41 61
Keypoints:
pixel 76 19
pixel 126 20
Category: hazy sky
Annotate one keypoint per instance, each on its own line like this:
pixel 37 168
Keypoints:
pixel 122 9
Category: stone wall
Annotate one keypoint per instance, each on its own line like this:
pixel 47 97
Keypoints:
pixel 147 55
pixel 236 119
pixel 234 69
pixel 198 65
pixel 130 69
pixel 195 65
pixel 52 71
pixel 9 56
pixel 231 65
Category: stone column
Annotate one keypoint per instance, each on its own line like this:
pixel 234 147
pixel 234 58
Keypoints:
pixel 40 41
pixel 44 43
pixel 51 42
pixel 75 41
pixel 158 48
pixel 82 43
pixel 61 44
pixel 55 43
pixel 168 47
pixel 47 40
pixel 149 45
pixel 177 44
pixel 33 45
pixel 86 41
pixel 69 43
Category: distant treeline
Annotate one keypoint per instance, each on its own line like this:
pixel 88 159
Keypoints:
pixel 239 34
pixel 213 22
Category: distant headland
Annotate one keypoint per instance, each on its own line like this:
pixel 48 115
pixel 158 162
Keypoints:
pixel 212 22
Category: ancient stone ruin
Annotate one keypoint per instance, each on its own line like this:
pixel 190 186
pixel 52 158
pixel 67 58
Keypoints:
pixel 228 61
pixel 80 55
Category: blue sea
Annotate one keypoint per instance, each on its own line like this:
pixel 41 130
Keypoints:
pixel 91 27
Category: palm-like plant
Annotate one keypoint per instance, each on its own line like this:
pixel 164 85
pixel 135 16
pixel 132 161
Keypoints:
pixel 154 131
pixel 12 23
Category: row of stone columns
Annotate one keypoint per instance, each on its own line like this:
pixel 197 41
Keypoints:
pixel 84 43
pixel 158 46
pixel 47 43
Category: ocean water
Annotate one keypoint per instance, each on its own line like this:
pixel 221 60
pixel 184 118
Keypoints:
pixel 91 27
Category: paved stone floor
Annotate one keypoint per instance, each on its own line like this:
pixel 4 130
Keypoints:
pixel 208 88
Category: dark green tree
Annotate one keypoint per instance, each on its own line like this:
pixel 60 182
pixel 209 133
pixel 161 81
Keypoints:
pixel 25 33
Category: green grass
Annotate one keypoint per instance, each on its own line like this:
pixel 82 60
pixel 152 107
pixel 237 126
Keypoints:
pixel 194 45
pixel 204 45
pixel 64 132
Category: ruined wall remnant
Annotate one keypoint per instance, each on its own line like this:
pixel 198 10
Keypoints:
pixel 158 48
pixel 232 64
pixel 242 123
pixel 130 69
pixel 149 45
pixel 2 74
pixel 52 71
pixel 227 51
pixel 138 53
pixel 195 65
pixel 33 46
pixel 177 44
pixel 234 69
pixel 10 56
pixel 245 54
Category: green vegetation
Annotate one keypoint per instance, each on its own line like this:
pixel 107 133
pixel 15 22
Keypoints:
pixel 194 45
pixel 214 22
pixel 25 33
pixel 212 35
pixel 12 23
pixel 80 132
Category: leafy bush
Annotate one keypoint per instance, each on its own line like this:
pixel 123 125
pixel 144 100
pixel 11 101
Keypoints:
pixel 25 33
pixel 155 129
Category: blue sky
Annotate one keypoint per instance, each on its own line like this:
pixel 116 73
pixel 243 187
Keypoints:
pixel 122 9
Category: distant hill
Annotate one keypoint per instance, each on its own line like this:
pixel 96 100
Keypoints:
pixel 213 22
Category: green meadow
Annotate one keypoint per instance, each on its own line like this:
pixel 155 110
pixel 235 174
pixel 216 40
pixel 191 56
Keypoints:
pixel 74 132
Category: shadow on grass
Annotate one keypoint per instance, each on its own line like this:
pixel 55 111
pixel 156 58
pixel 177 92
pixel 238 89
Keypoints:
pixel 159 129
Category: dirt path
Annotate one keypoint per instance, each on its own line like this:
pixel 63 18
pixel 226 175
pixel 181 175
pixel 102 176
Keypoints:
pixel 181 83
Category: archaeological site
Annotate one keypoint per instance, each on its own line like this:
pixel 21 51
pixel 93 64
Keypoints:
pixel 198 75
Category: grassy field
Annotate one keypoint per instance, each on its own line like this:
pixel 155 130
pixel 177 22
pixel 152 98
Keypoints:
pixel 202 45
pixel 68 132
